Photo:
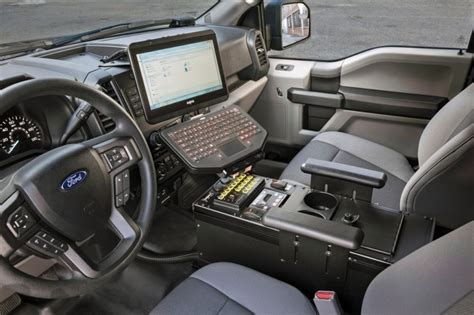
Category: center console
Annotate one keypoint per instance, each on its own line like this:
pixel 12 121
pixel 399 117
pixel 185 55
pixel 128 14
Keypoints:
pixel 306 237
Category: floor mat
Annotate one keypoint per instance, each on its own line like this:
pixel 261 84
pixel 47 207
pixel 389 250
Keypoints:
pixel 173 231
pixel 136 291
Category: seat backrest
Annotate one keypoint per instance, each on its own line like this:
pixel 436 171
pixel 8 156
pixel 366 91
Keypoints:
pixel 444 184
pixel 453 118
pixel 437 278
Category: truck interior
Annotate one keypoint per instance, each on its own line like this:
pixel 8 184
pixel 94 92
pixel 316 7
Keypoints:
pixel 181 166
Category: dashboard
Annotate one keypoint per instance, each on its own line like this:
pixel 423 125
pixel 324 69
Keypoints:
pixel 241 65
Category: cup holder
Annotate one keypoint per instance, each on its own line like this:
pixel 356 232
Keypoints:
pixel 321 201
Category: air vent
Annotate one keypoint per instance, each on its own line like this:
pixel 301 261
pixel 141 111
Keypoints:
pixel 260 48
pixel 107 122
pixel 258 54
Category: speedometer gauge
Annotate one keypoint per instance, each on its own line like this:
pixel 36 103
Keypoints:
pixel 19 134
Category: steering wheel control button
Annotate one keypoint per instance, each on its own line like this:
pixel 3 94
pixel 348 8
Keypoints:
pixel 126 179
pixel 20 221
pixel 126 196
pixel 116 157
pixel 119 201
pixel 47 244
pixel 122 188
pixel 118 184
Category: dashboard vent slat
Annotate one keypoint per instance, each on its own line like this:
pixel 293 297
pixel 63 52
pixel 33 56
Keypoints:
pixel 260 48
pixel 107 123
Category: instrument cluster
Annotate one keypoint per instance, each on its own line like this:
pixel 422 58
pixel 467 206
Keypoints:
pixel 20 135
pixel 34 127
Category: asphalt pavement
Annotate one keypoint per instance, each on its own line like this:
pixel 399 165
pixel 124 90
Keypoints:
pixel 344 27
pixel 339 27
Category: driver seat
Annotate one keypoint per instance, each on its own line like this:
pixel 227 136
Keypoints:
pixel 436 278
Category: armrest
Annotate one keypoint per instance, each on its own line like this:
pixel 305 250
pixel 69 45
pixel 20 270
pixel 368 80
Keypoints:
pixel 302 96
pixel 330 232
pixel 345 172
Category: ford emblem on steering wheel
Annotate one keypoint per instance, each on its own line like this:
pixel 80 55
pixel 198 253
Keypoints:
pixel 73 180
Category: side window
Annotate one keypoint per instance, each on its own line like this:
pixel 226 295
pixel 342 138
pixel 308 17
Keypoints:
pixel 345 27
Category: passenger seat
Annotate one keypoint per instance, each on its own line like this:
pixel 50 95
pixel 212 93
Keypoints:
pixel 442 187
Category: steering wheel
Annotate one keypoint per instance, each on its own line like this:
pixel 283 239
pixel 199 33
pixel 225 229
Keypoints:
pixel 64 197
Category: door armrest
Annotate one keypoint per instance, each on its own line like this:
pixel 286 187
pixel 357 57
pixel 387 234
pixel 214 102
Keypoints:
pixel 302 96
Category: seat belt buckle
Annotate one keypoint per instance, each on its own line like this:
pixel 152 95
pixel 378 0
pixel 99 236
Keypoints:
pixel 326 302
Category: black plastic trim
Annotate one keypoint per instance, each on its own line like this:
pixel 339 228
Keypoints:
pixel 325 85
pixel 256 70
pixel 334 233
pixel 302 96
pixel 392 103
pixel 345 172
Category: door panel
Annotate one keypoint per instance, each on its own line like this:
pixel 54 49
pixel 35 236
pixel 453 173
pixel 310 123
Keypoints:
pixel 399 83
pixel 386 95
pixel 282 118
pixel 434 72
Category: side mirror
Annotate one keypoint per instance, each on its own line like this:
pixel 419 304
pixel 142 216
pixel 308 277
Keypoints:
pixel 289 23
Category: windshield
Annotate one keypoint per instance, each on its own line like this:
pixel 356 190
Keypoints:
pixel 23 20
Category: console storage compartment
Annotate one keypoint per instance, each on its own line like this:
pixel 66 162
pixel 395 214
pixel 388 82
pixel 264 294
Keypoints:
pixel 278 235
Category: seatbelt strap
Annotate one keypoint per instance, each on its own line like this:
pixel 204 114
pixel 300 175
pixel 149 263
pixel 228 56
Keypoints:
pixel 326 302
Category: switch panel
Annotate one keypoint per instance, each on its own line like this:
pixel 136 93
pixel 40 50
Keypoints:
pixel 116 157
pixel 238 193
pixel 267 199
pixel 122 188
pixel 20 221
pixel 46 244
pixel 134 101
